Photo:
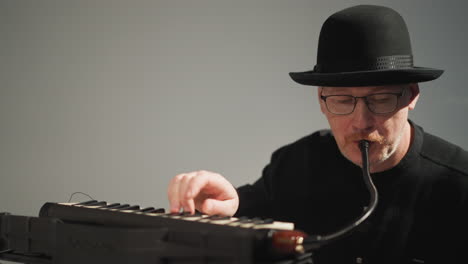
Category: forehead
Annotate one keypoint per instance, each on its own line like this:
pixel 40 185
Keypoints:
pixel 364 90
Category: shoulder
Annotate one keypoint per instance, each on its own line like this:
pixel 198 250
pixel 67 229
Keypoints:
pixel 445 166
pixel 445 173
pixel 323 136
pixel 445 154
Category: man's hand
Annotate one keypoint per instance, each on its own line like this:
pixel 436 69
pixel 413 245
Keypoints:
pixel 207 192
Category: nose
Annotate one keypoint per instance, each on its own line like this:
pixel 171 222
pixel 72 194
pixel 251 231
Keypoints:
pixel 362 117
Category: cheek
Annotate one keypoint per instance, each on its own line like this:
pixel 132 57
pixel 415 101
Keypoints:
pixel 394 126
pixel 339 126
pixel 323 108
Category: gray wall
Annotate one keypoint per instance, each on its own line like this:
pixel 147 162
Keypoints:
pixel 114 98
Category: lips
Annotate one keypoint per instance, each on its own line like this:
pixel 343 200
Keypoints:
pixel 371 143
pixel 357 142
pixel 372 137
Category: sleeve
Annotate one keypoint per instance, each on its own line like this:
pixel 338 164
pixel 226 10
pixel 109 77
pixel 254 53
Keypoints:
pixel 286 178
pixel 255 199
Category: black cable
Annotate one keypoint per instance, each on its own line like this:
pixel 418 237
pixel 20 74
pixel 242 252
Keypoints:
pixel 71 196
pixel 315 241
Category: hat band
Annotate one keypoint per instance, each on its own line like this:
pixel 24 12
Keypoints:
pixel 378 63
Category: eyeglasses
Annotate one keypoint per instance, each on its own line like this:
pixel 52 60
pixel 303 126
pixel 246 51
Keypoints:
pixel 379 103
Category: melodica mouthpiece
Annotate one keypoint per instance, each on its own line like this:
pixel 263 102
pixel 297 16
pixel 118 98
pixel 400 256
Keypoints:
pixel 364 144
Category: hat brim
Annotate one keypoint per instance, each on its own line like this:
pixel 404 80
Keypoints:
pixel 367 78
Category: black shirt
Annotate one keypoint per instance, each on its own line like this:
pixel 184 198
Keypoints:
pixel 422 212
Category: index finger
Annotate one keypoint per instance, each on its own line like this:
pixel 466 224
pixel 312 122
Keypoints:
pixel 173 191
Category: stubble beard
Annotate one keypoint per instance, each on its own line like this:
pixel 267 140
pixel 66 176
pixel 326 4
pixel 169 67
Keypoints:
pixel 388 151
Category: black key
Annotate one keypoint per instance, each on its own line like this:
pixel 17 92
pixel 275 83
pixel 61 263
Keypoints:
pixel 218 217
pixel 256 220
pixel 133 208
pixel 97 204
pixel 188 214
pixel 110 206
pixel 242 219
pixel 267 221
pixel 156 211
pixel 245 221
pixel 144 210
pixel 176 214
pixel 87 202
pixel 197 213
pixel 122 206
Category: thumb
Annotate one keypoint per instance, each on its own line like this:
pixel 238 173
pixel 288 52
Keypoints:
pixel 219 207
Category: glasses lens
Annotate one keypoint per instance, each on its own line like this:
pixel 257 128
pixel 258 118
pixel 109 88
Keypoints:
pixel 340 104
pixel 382 103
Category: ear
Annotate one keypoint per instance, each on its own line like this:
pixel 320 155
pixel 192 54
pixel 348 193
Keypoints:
pixel 414 96
pixel 321 102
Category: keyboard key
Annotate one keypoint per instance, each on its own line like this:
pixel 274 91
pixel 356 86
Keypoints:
pixel 144 210
pixel 156 211
pixel 87 202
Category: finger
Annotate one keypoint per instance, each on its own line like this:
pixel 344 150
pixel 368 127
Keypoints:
pixel 219 207
pixel 210 188
pixel 185 201
pixel 189 206
pixel 211 184
pixel 173 193
pixel 197 189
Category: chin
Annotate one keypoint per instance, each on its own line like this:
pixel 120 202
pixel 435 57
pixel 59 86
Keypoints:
pixel 376 156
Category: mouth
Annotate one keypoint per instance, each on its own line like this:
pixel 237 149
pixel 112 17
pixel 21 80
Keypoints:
pixel 371 143
pixel 375 142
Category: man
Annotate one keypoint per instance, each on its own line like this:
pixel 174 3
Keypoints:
pixel 367 84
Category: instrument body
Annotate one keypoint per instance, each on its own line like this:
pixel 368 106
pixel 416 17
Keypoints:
pixel 83 233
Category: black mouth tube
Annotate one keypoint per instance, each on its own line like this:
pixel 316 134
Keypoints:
pixel 374 195
pixel 315 241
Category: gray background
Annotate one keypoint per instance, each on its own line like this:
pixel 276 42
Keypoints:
pixel 114 98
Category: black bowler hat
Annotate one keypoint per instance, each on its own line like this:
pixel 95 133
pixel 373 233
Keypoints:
pixel 364 45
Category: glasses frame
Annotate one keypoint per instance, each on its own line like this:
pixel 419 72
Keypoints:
pixel 365 98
